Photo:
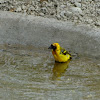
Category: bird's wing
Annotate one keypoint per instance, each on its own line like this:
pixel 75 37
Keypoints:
pixel 63 51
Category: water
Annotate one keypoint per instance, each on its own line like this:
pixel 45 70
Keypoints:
pixel 28 73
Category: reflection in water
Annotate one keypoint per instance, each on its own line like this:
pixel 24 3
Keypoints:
pixel 59 69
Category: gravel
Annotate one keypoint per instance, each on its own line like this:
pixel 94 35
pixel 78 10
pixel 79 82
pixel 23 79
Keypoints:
pixel 77 11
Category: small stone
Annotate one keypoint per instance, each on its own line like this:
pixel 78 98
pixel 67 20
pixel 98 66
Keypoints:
pixel 31 8
pixel 76 18
pixel 76 10
pixel 68 4
pixel 78 4
pixel 18 9
pixel 63 13
pixel 58 17
pixel 24 11
pixel 89 20
pixel 49 5
pixel 23 7
pixel 44 4
pixel 44 10
pixel 52 13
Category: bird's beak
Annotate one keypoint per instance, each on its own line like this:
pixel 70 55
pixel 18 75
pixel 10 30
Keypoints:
pixel 50 47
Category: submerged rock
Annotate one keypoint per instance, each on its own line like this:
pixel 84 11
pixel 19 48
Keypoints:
pixel 77 4
pixel 69 14
pixel 97 23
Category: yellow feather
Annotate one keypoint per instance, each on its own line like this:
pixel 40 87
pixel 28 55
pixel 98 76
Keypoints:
pixel 60 54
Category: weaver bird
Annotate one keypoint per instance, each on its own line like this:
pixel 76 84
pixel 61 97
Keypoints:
pixel 60 54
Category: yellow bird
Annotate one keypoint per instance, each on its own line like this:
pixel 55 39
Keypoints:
pixel 60 54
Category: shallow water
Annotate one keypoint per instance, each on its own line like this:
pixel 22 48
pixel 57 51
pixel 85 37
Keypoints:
pixel 28 73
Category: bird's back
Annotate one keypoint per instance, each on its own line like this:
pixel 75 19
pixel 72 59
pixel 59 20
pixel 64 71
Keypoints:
pixel 61 55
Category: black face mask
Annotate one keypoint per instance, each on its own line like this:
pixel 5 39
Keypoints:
pixel 52 47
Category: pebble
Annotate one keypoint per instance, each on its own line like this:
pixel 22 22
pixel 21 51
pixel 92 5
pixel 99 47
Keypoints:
pixel 31 8
pixel 23 7
pixel 77 4
pixel 63 13
pixel 44 10
pixel 88 20
pixel 69 14
pixel 49 5
pixel 18 9
pixel 24 11
pixel 58 17
pixel 41 14
pixel 76 10
pixel 68 4
pixel 97 23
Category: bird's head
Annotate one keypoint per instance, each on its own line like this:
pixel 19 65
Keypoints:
pixel 54 46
